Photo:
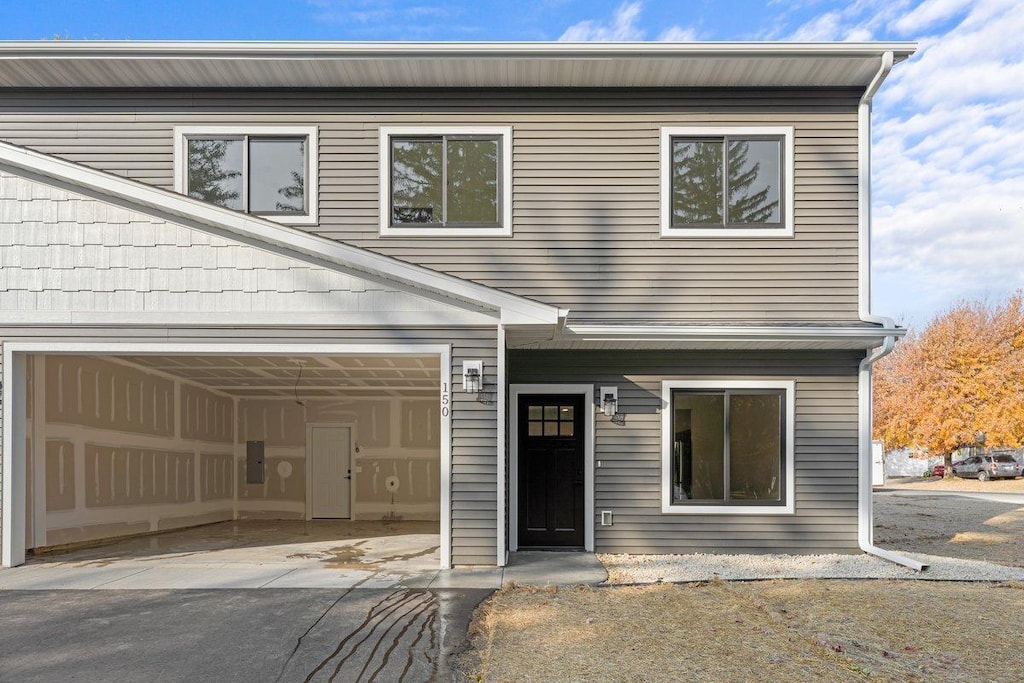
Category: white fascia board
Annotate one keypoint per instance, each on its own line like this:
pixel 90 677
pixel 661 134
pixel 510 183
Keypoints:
pixel 287 241
pixel 728 333
pixel 99 49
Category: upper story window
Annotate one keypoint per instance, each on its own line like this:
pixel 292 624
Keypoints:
pixel 727 182
pixel 268 171
pixel 728 447
pixel 446 182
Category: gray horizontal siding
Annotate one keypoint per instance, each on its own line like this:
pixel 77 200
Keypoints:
pixel 474 422
pixel 585 195
pixel 629 480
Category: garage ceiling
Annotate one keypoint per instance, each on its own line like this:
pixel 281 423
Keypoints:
pixel 302 376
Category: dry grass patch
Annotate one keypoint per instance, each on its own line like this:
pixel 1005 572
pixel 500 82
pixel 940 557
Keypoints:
pixel 780 630
pixel 952 527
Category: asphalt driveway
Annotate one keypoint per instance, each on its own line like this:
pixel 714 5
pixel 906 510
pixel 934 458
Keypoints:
pixel 233 635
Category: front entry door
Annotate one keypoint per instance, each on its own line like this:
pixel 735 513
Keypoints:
pixel 330 455
pixel 551 470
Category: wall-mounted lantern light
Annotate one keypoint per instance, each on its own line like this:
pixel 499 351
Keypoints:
pixel 472 376
pixel 609 400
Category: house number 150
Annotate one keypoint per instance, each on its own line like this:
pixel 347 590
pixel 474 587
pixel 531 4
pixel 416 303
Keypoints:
pixel 445 400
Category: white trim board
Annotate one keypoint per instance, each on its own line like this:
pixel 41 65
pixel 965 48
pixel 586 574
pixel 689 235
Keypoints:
pixel 667 508
pixel 587 391
pixel 312 181
pixel 274 237
pixel 788 166
pixel 14 422
pixel 504 170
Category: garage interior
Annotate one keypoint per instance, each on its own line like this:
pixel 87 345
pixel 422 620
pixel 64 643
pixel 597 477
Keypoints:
pixel 122 445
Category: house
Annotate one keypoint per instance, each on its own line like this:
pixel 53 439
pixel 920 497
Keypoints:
pixel 609 297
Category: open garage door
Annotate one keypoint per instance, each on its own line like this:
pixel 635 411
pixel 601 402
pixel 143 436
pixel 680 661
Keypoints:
pixel 134 443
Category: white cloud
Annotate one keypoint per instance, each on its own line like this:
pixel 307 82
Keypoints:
pixel 677 34
pixel 929 13
pixel 623 27
pixel 949 160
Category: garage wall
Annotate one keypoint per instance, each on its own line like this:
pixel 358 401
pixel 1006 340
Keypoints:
pixel 394 436
pixel 122 451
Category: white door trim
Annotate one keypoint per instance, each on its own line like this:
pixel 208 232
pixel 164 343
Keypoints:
pixel 13 473
pixel 351 464
pixel 587 391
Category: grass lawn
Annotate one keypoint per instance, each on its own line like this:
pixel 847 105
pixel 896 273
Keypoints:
pixel 817 630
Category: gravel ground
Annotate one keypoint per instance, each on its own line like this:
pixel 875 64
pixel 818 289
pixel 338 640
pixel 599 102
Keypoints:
pixel 634 569
pixel 962 539
pixel 955 484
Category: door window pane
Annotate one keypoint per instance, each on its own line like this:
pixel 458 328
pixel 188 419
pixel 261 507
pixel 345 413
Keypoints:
pixel 416 181
pixel 754 180
pixel 277 175
pixel 472 181
pixel 755 447
pixel 215 171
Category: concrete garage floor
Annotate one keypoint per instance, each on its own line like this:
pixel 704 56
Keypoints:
pixel 246 554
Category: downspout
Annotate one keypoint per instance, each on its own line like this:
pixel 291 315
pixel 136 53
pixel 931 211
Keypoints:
pixel 865 511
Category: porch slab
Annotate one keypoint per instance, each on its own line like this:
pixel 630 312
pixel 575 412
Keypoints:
pixel 554 569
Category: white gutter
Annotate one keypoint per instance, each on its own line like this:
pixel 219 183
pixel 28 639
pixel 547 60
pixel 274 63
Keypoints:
pixel 157 49
pixel 865 508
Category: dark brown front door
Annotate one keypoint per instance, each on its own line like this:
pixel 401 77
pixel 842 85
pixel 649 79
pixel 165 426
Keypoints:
pixel 551 470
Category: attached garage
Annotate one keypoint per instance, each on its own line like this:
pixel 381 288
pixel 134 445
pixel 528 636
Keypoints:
pixel 167 363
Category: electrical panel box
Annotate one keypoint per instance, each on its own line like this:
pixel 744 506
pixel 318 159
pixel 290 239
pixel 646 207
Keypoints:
pixel 255 470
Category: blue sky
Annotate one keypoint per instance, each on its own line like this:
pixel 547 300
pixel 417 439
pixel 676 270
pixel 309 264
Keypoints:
pixel 948 126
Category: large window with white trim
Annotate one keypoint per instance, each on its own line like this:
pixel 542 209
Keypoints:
pixel 727 182
pixel 447 182
pixel 265 171
pixel 728 446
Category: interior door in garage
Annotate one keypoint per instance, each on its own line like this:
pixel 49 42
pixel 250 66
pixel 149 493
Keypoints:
pixel 330 455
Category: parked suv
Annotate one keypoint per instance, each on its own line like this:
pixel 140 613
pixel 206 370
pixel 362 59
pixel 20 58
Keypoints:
pixel 985 467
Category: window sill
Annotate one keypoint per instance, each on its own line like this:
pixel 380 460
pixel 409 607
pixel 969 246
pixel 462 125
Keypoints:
pixel 289 220
pixel 392 231
pixel 726 233
pixel 787 509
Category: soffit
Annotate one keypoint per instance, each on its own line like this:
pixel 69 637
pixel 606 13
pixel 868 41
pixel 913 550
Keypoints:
pixel 127 64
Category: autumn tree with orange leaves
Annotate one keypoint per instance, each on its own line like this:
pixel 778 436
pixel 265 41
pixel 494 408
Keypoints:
pixel 962 376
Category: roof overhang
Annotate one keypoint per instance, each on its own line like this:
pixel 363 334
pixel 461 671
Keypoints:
pixel 509 309
pixel 708 337
pixel 146 64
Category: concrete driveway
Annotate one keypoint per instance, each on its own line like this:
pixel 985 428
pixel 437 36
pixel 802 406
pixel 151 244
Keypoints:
pixel 246 554
pixel 233 635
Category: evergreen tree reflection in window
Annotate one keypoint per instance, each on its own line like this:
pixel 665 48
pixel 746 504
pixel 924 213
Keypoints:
pixel 215 171
pixel 748 195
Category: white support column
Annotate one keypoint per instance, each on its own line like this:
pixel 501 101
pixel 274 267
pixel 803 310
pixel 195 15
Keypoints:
pixel 502 558
pixel 14 459
pixel 38 482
